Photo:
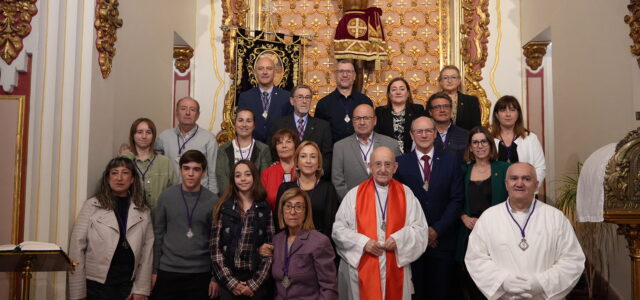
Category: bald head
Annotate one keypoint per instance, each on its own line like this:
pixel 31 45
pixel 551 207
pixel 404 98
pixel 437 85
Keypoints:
pixel 383 165
pixel 521 184
pixel 423 133
pixel 522 167
pixel 364 120
pixel 265 72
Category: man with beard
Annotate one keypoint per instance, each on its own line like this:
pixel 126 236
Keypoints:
pixel 337 107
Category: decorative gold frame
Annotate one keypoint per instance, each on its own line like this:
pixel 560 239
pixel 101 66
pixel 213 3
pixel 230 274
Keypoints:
pixel 475 37
pixel 15 26
pixel 634 24
pixel 534 52
pixel 182 55
pixel 106 23
pixel 227 131
pixel 17 174
pixel 622 198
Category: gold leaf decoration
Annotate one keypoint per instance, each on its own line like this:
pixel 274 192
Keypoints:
pixel 475 36
pixel 15 22
pixel 634 23
pixel 182 55
pixel 534 52
pixel 107 23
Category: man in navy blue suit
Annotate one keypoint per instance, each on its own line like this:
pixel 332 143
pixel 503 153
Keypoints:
pixel 267 101
pixel 435 177
pixel 449 137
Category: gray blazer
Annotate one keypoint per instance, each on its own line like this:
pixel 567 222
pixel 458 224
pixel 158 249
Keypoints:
pixel 348 169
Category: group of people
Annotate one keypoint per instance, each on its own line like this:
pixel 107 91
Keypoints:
pixel 355 202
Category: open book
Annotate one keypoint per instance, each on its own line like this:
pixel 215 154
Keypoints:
pixel 30 246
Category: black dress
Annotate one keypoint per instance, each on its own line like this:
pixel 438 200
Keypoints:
pixel 385 124
pixel 324 202
pixel 468 113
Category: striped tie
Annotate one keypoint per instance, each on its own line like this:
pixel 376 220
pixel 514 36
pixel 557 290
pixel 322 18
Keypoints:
pixel 300 128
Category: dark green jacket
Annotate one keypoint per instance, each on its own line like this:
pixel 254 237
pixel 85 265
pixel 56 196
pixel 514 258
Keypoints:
pixel 260 157
pixel 498 195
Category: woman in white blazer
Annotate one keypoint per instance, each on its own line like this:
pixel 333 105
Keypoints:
pixel 112 239
pixel 514 142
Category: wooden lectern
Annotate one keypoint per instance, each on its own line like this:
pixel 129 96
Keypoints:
pixel 622 198
pixel 25 262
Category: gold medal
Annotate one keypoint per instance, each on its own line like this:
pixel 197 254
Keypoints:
pixel 425 186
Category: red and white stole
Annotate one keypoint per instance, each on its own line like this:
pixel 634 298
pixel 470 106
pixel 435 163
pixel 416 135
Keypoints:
pixel 369 267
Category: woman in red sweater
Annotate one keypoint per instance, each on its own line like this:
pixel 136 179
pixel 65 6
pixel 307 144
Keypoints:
pixel 285 142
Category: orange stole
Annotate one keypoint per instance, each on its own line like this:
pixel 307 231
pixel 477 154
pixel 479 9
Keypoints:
pixel 369 267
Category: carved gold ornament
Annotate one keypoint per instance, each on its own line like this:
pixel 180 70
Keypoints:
pixel 182 55
pixel 475 36
pixel 534 52
pixel 234 15
pixel 107 23
pixel 634 23
pixel 622 176
pixel 622 198
pixel 16 25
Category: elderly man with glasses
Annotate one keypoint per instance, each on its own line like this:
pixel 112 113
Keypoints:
pixel 352 154
pixel 379 231
pixel 306 127
pixel 435 177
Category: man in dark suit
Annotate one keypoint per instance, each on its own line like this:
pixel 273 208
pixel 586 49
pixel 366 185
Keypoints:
pixel 307 127
pixel 449 137
pixel 337 107
pixel 435 177
pixel 267 101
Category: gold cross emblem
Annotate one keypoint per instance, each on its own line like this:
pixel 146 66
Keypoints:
pixel 357 27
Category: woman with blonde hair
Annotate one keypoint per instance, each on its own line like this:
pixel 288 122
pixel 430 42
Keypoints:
pixel 465 109
pixel 308 171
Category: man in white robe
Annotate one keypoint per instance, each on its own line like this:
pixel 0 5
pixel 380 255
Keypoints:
pixel 406 240
pixel 524 248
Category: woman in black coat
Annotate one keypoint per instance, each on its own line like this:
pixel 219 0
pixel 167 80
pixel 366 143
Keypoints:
pixel 466 108
pixel 394 119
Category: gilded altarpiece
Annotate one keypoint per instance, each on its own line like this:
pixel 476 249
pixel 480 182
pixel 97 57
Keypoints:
pixel 417 39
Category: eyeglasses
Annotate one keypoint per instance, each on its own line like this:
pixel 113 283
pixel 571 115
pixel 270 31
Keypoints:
pixel 445 78
pixel 358 119
pixel 480 143
pixel 442 106
pixel 380 164
pixel 296 208
pixel 347 72
pixel 424 131
pixel 301 97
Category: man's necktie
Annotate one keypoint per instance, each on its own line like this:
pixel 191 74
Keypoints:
pixel 265 101
pixel 300 128
pixel 426 169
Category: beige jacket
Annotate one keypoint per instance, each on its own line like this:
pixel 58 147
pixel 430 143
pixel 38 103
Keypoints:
pixel 93 242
